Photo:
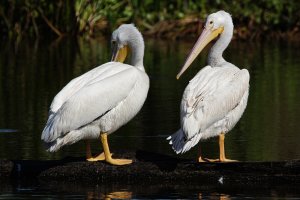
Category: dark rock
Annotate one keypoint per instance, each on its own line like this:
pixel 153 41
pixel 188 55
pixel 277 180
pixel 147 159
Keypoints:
pixel 155 168
pixel 152 167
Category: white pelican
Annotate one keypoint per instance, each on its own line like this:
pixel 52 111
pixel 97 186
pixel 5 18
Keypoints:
pixel 215 99
pixel 103 99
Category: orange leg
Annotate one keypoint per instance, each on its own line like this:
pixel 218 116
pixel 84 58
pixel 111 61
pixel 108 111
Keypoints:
pixel 200 155
pixel 107 153
pixel 222 157
pixel 222 149
pixel 89 157
pixel 88 150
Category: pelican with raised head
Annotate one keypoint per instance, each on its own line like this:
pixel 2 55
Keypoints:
pixel 215 99
pixel 102 100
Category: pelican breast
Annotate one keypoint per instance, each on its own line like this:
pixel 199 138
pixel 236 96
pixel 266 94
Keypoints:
pixel 210 96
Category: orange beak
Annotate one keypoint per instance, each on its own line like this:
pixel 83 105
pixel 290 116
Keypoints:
pixel 206 36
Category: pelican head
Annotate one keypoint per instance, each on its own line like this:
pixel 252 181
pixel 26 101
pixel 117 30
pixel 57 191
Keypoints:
pixel 217 24
pixel 125 38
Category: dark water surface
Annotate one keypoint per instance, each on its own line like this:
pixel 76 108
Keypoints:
pixel 32 72
pixel 145 191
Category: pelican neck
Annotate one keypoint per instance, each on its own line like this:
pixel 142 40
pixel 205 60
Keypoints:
pixel 137 52
pixel 215 56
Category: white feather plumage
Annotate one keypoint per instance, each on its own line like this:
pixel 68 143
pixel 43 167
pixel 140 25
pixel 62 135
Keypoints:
pixel 101 100
pixel 215 99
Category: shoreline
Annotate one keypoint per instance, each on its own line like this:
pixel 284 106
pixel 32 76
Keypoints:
pixel 178 29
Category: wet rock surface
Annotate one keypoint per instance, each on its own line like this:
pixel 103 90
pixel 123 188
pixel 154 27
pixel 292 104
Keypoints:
pixel 155 168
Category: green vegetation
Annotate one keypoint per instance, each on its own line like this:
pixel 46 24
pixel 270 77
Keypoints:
pixel 172 18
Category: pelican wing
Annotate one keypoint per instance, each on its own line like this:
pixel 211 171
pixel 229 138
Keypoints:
pixel 210 95
pixel 89 97
pixel 96 74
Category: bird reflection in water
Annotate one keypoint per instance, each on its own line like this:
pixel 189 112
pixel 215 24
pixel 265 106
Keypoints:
pixel 214 196
pixel 110 195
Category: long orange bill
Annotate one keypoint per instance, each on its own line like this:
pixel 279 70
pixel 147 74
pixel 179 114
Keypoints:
pixel 119 54
pixel 206 36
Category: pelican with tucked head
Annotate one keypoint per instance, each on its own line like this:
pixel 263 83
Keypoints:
pixel 215 99
pixel 102 100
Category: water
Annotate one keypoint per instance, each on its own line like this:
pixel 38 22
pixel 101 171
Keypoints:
pixel 145 191
pixel 32 72
pixel 51 191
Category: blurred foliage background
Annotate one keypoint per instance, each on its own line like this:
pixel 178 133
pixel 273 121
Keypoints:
pixel 172 18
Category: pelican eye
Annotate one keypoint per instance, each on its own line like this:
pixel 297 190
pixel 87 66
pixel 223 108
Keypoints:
pixel 211 22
